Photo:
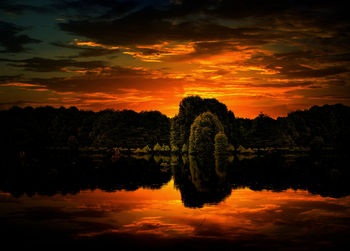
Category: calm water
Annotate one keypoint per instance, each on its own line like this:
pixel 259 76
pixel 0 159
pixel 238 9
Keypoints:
pixel 163 202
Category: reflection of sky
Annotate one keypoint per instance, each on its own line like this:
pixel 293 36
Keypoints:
pixel 295 216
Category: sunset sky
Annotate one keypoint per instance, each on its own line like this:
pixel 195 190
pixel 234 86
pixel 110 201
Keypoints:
pixel 255 56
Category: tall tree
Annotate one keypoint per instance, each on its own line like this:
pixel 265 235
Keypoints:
pixel 203 132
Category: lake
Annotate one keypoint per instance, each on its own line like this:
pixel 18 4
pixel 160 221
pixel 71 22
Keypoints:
pixel 274 202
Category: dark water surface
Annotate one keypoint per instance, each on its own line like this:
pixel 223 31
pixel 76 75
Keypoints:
pixel 273 202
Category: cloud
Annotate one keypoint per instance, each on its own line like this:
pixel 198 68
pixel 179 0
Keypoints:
pixel 11 40
pixel 315 73
pixel 207 20
pixel 110 7
pixel 109 79
pixel 10 7
pixel 275 56
pixel 87 51
pixel 279 84
pixel 175 52
pixel 150 26
pixel 301 64
pixel 9 78
pixel 156 52
pixel 20 85
pixel 39 64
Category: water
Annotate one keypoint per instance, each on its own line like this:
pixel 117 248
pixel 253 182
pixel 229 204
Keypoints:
pixel 142 203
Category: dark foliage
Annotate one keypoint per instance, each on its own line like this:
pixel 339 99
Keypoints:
pixel 53 172
pixel 203 131
pixel 23 129
pixel 29 128
pixel 189 109
pixel 318 127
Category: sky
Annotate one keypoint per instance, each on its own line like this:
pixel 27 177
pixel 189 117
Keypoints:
pixel 270 57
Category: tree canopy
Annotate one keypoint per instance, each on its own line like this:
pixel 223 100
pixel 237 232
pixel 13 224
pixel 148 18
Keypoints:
pixel 30 128
pixel 203 131
pixel 189 109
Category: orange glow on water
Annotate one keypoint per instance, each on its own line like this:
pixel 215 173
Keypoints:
pixel 161 212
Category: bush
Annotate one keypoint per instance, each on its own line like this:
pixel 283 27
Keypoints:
pixel 157 148
pixel 184 148
pixel 221 144
pixel 317 143
pixel 230 148
pixel 203 131
pixel 174 148
pixel 241 149
pixel 165 148
pixel 146 149
pixel 138 150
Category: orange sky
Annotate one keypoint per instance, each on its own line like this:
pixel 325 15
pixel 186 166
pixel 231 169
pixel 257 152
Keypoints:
pixel 150 56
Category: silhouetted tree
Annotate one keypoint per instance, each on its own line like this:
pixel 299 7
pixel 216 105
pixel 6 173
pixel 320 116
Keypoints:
pixel 34 128
pixel 221 144
pixel 190 108
pixel 203 131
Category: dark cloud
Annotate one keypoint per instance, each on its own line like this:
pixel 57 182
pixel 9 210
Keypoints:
pixel 200 20
pixel 108 80
pixel 10 7
pixel 137 30
pixel 301 64
pixel 257 8
pixel 38 64
pixel 209 48
pixel 343 57
pixel 152 24
pixel 109 8
pixel 93 52
pixel 315 73
pixel 316 56
pixel 9 78
pixel 200 49
pixel 286 84
pixel 84 52
pixel 11 39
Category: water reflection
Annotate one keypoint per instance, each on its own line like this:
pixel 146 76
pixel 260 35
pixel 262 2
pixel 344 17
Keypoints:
pixel 247 219
pixel 200 180
pixel 52 173
pixel 272 201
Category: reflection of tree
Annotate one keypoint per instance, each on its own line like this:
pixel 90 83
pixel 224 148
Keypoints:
pixel 201 172
pixel 70 175
pixel 325 175
pixel 161 159
pixel 199 182
pixel 221 164
pixel 203 181
pixel 174 160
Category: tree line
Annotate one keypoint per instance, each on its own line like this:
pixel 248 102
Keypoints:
pixel 25 128
pixel 318 127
